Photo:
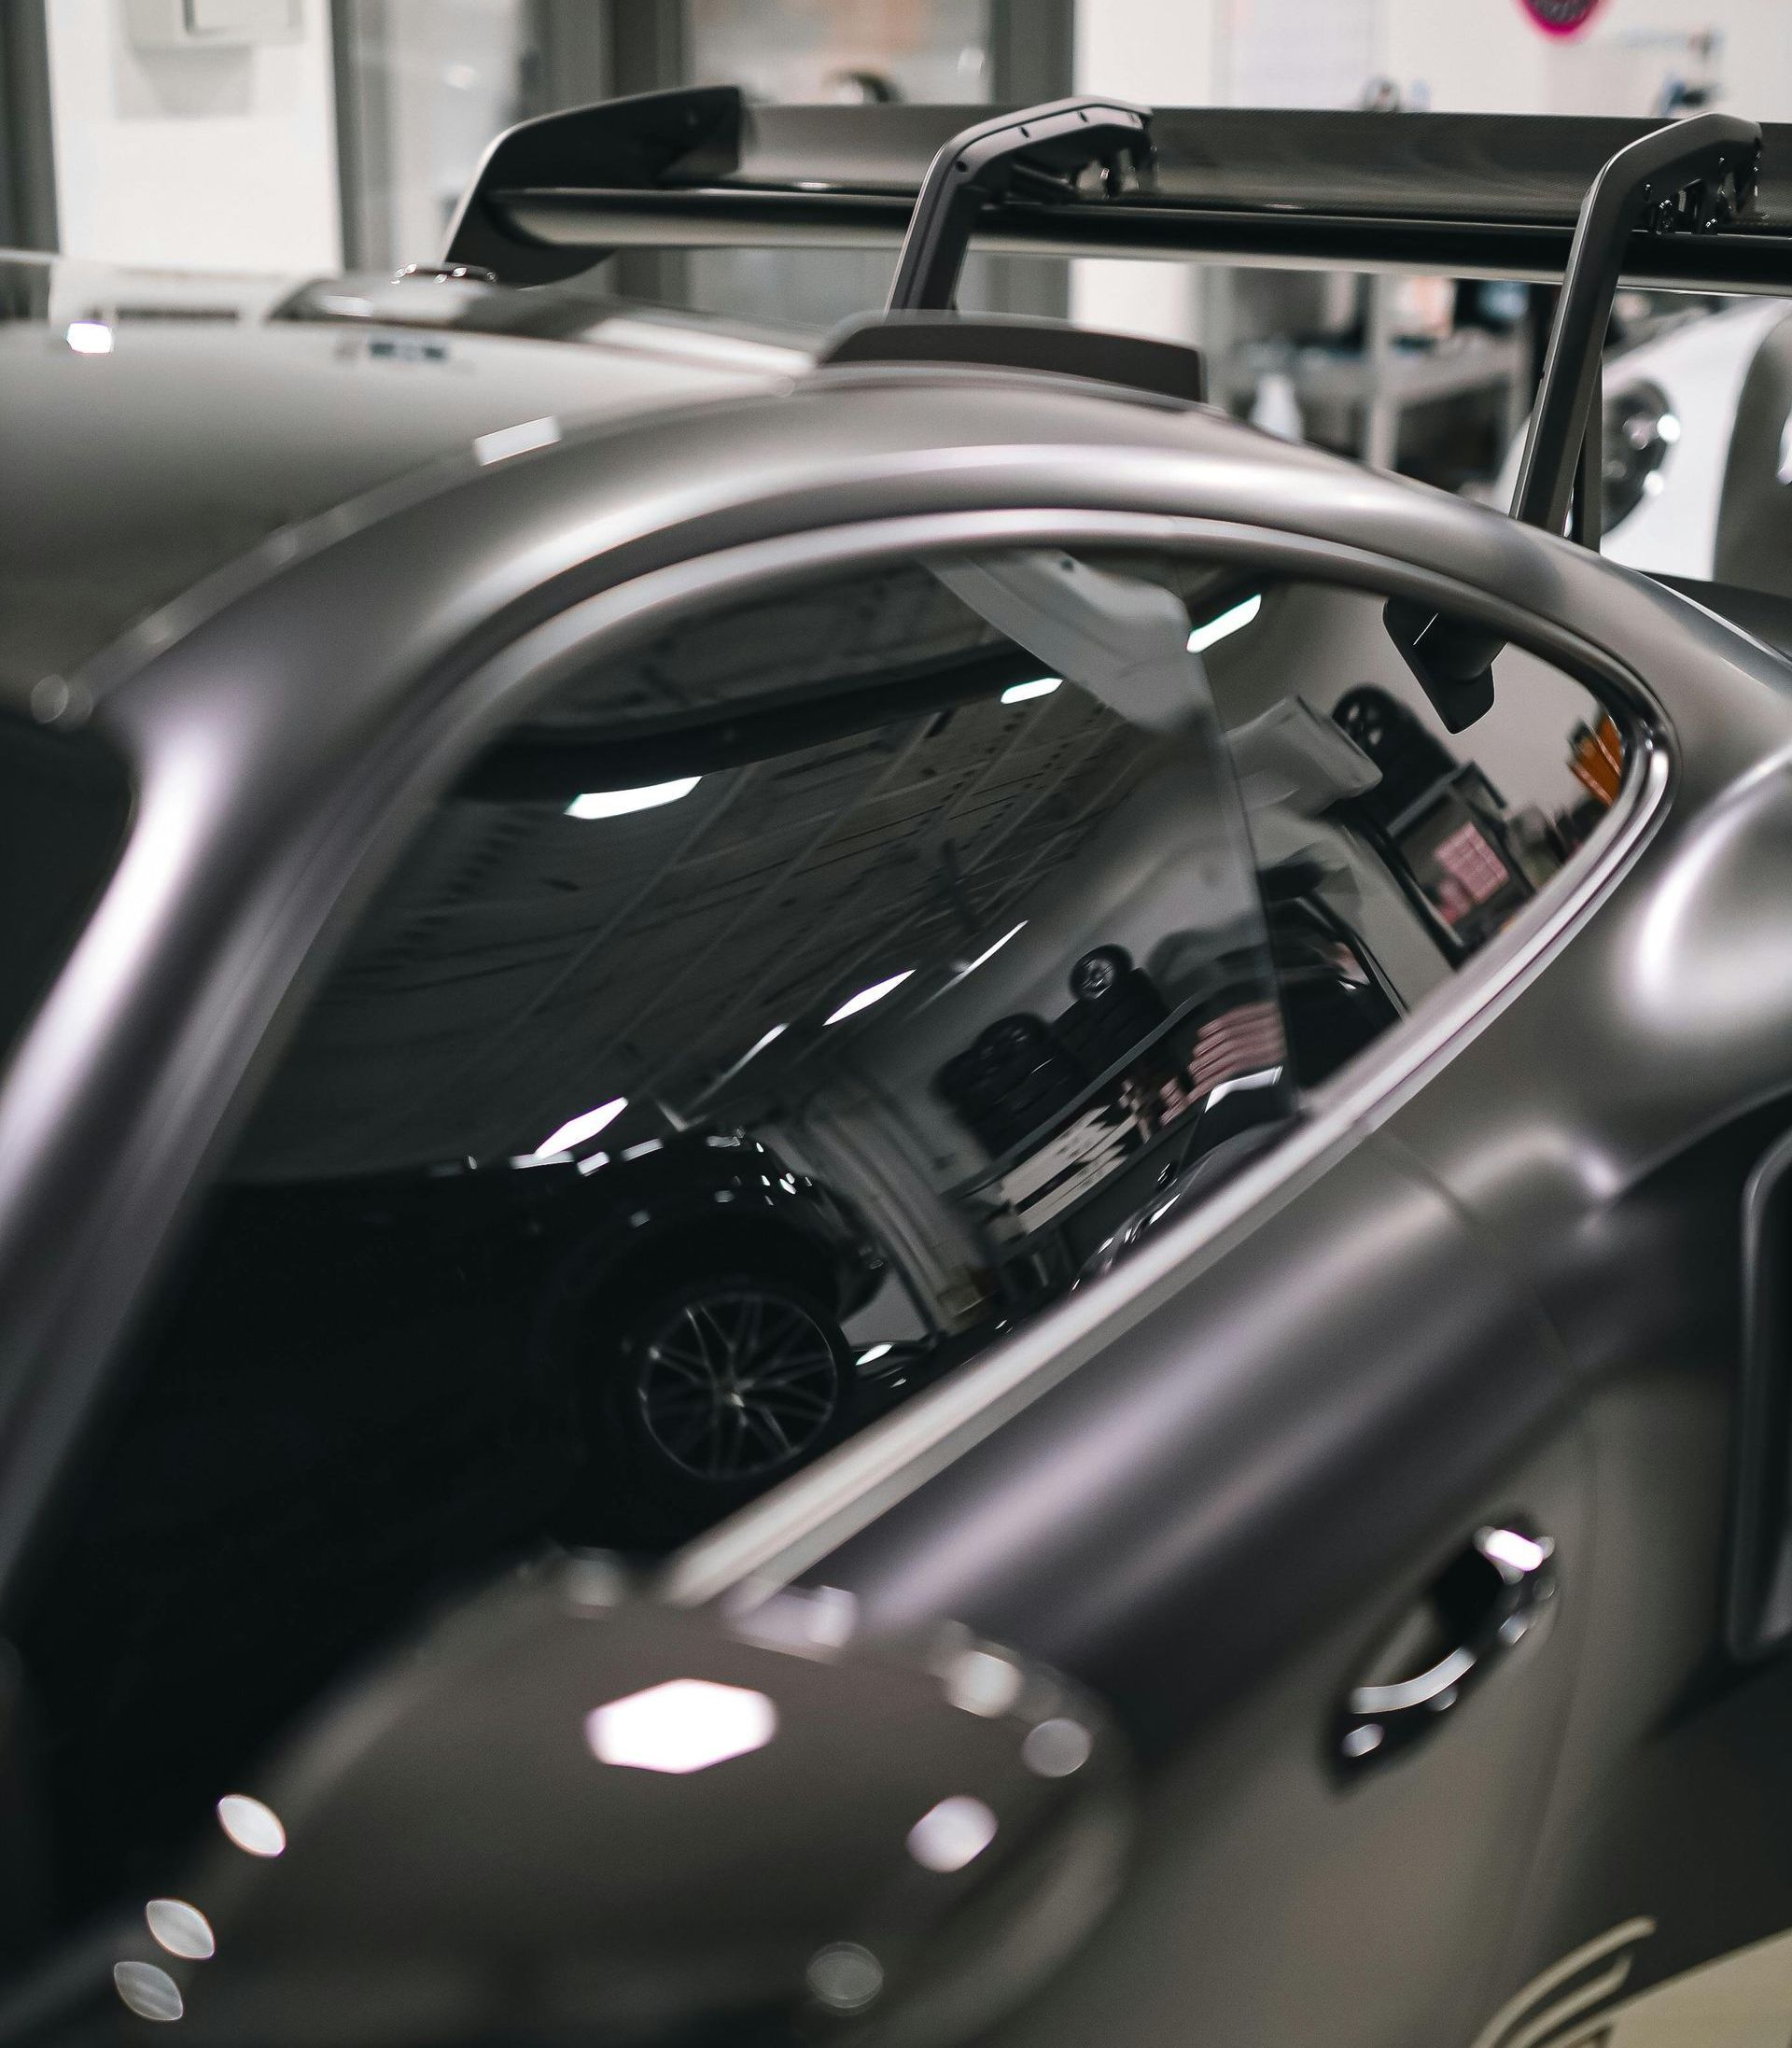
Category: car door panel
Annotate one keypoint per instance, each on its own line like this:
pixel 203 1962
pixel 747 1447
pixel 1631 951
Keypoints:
pixel 1216 1522
pixel 1620 1201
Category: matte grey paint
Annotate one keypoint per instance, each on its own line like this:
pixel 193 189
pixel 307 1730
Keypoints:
pixel 1546 1198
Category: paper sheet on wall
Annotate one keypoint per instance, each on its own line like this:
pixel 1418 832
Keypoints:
pixel 1299 52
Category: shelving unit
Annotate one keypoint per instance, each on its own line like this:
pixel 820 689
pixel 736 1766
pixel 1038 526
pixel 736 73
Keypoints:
pixel 1381 382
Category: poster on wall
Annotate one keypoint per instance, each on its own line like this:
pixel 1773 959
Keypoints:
pixel 1561 17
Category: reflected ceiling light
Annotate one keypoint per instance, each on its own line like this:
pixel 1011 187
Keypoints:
pixel 505 442
pixel 845 1976
pixel 1056 1748
pixel 950 1835
pixel 150 1993
pixel 1024 692
pixel 759 1044
pixel 1518 1552
pixel 89 337
pixel 619 803
pixel 180 1928
pixel 982 1683
pixel 989 953
pixel 687 1724
pixel 1228 622
pixel 876 1352
pixel 728 1074
pixel 866 997
pixel 256 1829
pixel 579 1129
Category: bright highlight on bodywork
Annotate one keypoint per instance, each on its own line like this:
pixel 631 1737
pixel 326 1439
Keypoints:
pixel 505 442
pixel 1023 692
pixel 1226 625
pixel 182 1930
pixel 254 1827
pixel 866 997
pixel 578 1129
pixel 89 337
pixel 619 803
pixel 950 1835
pixel 686 1724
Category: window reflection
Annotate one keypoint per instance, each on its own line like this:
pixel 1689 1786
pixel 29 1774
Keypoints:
pixel 635 1154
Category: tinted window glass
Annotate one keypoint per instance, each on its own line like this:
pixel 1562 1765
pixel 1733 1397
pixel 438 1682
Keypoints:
pixel 63 807
pixel 1390 847
pixel 805 1000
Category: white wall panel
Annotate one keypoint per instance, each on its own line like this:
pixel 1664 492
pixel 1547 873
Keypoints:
pixel 214 158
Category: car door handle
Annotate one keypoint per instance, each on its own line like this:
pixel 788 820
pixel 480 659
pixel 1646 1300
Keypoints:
pixel 1479 1607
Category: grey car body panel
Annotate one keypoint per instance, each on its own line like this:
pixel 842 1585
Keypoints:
pixel 136 473
pixel 1592 1098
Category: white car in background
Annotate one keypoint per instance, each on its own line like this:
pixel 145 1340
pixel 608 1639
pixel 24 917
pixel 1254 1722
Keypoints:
pixel 1673 407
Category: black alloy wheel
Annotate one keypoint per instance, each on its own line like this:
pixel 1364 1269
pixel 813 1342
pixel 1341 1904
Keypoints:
pixel 736 1379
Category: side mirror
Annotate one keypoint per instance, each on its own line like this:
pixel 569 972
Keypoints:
pixel 573 1812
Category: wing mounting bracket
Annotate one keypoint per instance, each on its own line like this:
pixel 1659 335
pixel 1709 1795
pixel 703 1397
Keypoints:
pixel 1693 176
pixel 1041 152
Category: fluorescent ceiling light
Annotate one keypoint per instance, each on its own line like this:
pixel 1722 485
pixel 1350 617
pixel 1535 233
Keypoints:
pixel 728 1074
pixel 578 1129
pixel 1228 622
pixel 89 337
pixel 686 1724
pixel 989 953
pixel 866 997
pixel 759 1044
pixel 1024 692
pixel 617 802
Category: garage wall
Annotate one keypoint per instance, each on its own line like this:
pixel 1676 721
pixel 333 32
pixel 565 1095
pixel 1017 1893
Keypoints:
pixel 220 158
pixel 1466 55
pixel 1162 50
pixel 1486 56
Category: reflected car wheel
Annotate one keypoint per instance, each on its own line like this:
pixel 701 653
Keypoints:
pixel 728 1382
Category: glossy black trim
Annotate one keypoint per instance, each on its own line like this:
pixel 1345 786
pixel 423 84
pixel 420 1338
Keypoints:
pixel 1469 194
pixel 1041 150
pixel 1692 176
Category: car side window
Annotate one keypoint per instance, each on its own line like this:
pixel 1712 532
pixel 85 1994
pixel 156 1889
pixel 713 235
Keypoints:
pixel 804 999
pixel 1391 851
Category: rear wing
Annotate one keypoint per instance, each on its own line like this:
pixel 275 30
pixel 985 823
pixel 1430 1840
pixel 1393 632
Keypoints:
pixel 1703 204
pixel 1472 195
